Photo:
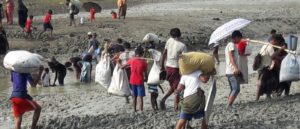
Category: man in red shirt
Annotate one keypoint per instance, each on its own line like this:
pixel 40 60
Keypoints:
pixel 92 14
pixel 138 68
pixel 47 22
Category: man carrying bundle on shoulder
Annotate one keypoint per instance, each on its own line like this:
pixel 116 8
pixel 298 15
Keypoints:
pixel 195 67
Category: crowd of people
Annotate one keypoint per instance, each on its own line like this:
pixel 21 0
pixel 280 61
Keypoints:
pixel 187 89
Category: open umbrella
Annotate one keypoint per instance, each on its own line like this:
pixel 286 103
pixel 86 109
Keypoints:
pixel 226 29
pixel 88 5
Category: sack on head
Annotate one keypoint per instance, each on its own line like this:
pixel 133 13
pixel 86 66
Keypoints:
pixel 23 61
pixel 193 61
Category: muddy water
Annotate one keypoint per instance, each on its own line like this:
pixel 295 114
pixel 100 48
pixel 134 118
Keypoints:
pixel 71 86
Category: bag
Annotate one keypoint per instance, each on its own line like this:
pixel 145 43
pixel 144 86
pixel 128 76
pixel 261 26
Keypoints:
pixel 103 72
pixel 119 85
pixel 289 70
pixel 23 61
pixel 257 62
pixel 248 49
pixel 153 77
pixel 193 61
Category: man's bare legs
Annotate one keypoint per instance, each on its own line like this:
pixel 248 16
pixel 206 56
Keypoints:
pixel 18 121
pixel 36 116
pixel 163 100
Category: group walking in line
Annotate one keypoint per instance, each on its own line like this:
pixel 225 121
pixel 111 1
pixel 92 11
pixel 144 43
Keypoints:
pixel 189 96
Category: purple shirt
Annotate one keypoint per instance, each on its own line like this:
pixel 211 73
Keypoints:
pixel 19 81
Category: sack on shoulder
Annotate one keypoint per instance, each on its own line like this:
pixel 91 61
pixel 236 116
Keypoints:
pixel 257 62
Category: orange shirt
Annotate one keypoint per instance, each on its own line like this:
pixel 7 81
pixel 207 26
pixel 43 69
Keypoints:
pixel 121 2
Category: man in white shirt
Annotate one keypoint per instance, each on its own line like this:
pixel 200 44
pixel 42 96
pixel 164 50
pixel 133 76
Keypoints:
pixel 232 70
pixel 174 47
pixel 193 103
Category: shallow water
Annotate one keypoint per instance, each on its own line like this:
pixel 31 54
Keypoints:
pixel 71 86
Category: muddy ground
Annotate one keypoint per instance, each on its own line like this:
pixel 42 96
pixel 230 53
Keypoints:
pixel 197 19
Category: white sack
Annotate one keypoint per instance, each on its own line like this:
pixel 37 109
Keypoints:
pixel 153 77
pixel 23 61
pixel 103 72
pixel 289 70
pixel 119 83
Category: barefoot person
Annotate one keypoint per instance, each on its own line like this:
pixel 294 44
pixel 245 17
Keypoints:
pixel 124 57
pixel 122 5
pixel 138 70
pixel 174 47
pixel 277 58
pixel 193 102
pixel 22 12
pixel 92 14
pixel 28 28
pixel 232 70
pixel 21 101
pixel 60 71
pixel 10 5
pixel 47 22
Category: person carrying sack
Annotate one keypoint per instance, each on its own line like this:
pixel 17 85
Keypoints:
pixel 193 103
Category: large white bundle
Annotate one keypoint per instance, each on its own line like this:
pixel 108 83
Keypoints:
pixel 119 83
pixel 151 37
pixel 23 61
pixel 153 77
pixel 289 70
pixel 103 72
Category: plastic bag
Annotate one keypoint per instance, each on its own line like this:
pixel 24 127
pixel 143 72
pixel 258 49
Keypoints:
pixel 119 83
pixel 289 70
pixel 153 77
pixel 23 61
pixel 103 72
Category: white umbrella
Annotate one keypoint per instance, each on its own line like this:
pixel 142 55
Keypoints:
pixel 226 29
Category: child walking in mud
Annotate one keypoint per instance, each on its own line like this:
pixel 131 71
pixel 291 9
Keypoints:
pixel 47 23
pixel 138 70
pixel 92 14
pixel 46 77
pixel 28 29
